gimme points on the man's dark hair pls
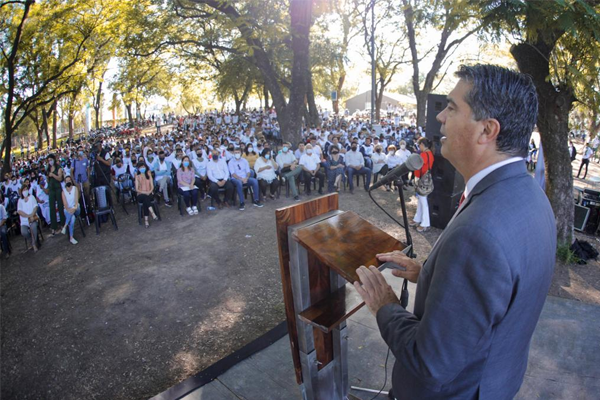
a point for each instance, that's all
(507, 96)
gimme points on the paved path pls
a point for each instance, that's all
(564, 361)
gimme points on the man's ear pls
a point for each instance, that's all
(490, 131)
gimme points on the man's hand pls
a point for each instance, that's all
(412, 267)
(374, 290)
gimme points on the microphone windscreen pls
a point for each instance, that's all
(414, 162)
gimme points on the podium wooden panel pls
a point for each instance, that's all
(347, 241)
(286, 217)
(320, 248)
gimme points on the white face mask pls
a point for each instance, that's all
(309, 152)
(237, 156)
(403, 146)
(25, 193)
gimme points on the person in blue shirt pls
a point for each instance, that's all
(240, 172)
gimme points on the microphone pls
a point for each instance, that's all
(413, 163)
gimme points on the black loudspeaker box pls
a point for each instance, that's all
(446, 179)
(441, 208)
(435, 104)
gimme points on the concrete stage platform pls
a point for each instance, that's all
(564, 361)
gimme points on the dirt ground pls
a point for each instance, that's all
(129, 313)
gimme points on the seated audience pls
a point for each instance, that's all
(186, 187)
(335, 168)
(311, 164)
(27, 210)
(144, 187)
(70, 198)
(218, 174)
(240, 172)
(266, 174)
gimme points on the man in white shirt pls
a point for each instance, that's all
(587, 153)
(218, 175)
(200, 162)
(288, 168)
(355, 165)
(311, 164)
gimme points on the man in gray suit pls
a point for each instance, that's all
(481, 291)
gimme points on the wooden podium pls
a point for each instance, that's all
(320, 248)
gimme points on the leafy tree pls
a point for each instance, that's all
(259, 30)
(557, 44)
(43, 46)
(389, 49)
(455, 20)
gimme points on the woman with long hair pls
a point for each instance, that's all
(186, 188)
(144, 186)
(70, 198)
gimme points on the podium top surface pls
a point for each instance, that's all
(345, 242)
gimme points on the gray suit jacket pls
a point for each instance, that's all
(479, 296)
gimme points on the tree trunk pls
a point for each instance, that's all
(340, 85)
(301, 18)
(129, 114)
(54, 123)
(45, 127)
(553, 123)
(266, 95)
(71, 119)
(378, 101)
(98, 104)
(421, 108)
(313, 112)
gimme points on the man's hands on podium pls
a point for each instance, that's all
(375, 290)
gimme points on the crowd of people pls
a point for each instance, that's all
(213, 157)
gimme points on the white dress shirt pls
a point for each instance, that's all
(354, 159)
(217, 171)
(310, 162)
(478, 177)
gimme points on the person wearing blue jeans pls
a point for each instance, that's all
(355, 164)
(70, 198)
(240, 171)
(3, 231)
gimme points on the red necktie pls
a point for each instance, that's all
(462, 198)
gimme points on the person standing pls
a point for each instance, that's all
(572, 151)
(585, 160)
(422, 215)
(481, 291)
(55, 176)
(103, 163)
(80, 173)
(3, 230)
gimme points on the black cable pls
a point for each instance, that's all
(385, 379)
(386, 213)
(404, 293)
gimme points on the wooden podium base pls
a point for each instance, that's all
(320, 248)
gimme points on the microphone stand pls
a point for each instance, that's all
(404, 293)
(409, 242)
